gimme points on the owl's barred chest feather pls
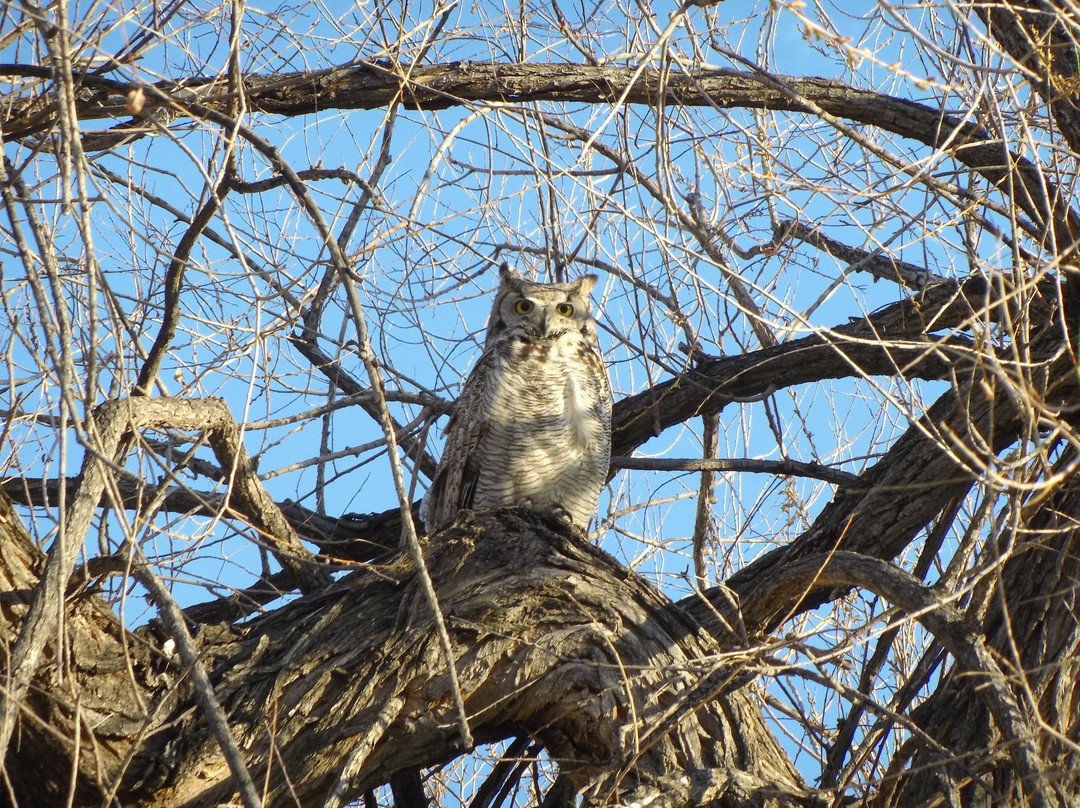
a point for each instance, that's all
(563, 383)
(547, 426)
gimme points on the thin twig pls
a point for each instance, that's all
(792, 468)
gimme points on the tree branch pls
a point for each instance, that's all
(791, 468)
(1042, 37)
(846, 570)
(845, 352)
(1031, 631)
(215, 716)
(370, 85)
(344, 674)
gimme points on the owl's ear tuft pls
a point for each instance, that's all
(507, 273)
(585, 284)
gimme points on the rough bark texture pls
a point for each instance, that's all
(341, 689)
(1032, 626)
(101, 689)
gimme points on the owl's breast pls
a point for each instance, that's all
(558, 378)
(546, 427)
(553, 399)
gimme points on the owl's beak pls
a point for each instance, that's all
(549, 328)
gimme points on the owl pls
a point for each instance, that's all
(533, 423)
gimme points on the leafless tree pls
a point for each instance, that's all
(247, 255)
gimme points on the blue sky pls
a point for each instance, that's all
(480, 182)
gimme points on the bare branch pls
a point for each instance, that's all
(780, 467)
(371, 85)
(877, 263)
(111, 422)
(844, 569)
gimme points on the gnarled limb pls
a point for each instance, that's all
(112, 421)
(1032, 629)
(552, 639)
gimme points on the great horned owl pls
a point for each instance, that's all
(533, 422)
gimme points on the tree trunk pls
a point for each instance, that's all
(334, 693)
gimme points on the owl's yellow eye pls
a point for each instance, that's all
(523, 306)
(565, 309)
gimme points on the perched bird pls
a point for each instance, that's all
(532, 425)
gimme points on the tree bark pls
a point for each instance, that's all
(372, 85)
(334, 693)
(1041, 37)
(1032, 626)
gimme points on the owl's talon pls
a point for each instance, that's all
(552, 511)
(555, 512)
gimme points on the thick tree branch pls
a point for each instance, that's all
(930, 465)
(246, 495)
(847, 570)
(879, 264)
(714, 383)
(207, 700)
(615, 682)
(708, 386)
(1041, 35)
(370, 85)
(1031, 627)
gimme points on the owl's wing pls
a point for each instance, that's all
(455, 482)
(470, 474)
(459, 469)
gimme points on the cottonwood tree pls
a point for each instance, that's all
(247, 255)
